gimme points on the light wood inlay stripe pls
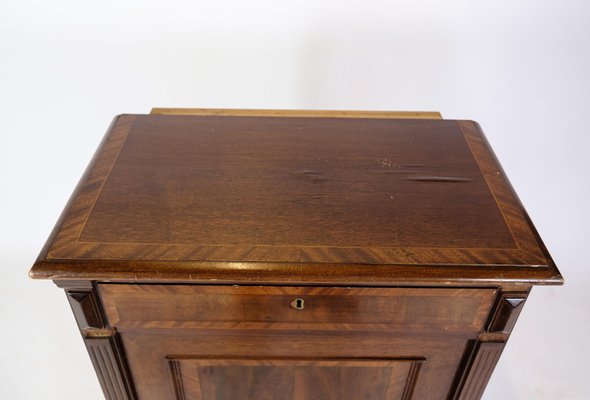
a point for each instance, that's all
(79, 212)
(505, 198)
(299, 113)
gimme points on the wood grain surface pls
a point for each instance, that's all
(207, 192)
(149, 353)
(277, 379)
(447, 311)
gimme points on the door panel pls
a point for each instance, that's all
(149, 353)
(246, 379)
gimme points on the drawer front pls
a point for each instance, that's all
(301, 308)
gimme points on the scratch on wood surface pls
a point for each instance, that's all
(437, 179)
(309, 175)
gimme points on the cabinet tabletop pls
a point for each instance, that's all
(296, 199)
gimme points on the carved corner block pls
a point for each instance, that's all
(102, 342)
(506, 312)
(86, 309)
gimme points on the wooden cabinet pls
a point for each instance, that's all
(251, 342)
(235, 254)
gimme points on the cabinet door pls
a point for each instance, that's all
(295, 343)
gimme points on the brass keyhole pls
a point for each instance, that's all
(297, 304)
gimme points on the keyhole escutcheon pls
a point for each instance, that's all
(298, 304)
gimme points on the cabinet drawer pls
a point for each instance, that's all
(302, 308)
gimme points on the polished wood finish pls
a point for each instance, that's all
(320, 192)
(265, 254)
(245, 379)
(268, 307)
(149, 349)
(188, 322)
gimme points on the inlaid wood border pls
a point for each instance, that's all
(506, 200)
(66, 245)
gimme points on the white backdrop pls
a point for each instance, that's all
(520, 68)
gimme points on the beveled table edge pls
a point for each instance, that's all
(293, 273)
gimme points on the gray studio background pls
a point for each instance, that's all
(520, 68)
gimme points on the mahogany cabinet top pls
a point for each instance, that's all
(234, 198)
